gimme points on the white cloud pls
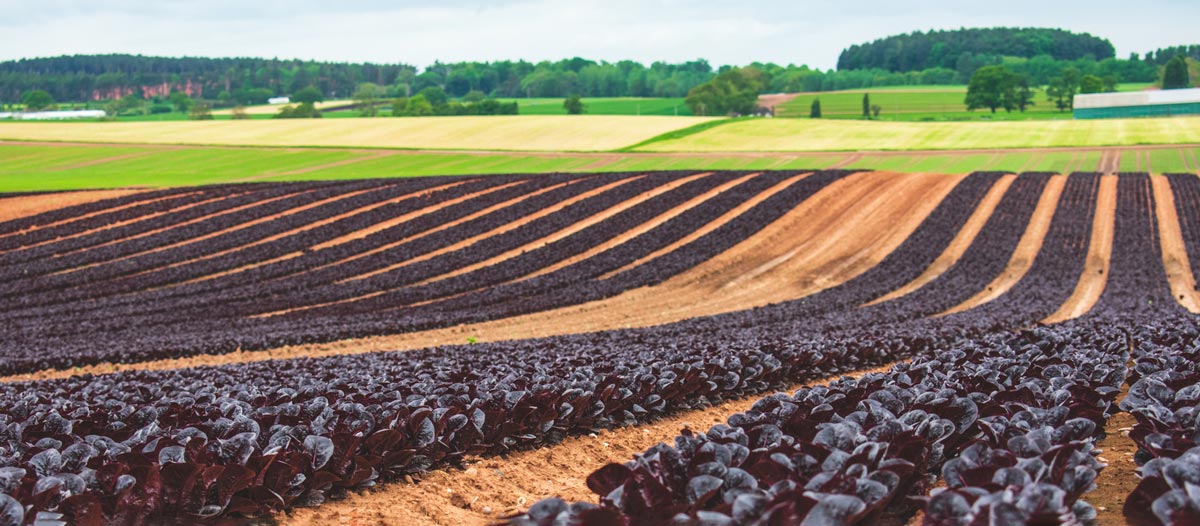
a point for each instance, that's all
(674, 30)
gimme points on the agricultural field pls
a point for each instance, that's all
(924, 103)
(697, 346)
(791, 135)
(513, 133)
(26, 167)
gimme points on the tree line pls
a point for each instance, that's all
(944, 49)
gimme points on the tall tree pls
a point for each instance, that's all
(36, 100)
(1062, 89)
(814, 111)
(1175, 75)
(993, 87)
(866, 107)
(366, 97)
(573, 105)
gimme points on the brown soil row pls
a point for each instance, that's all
(524, 220)
(863, 233)
(1117, 481)
(310, 226)
(170, 227)
(1095, 268)
(403, 218)
(280, 235)
(958, 246)
(573, 229)
(27, 205)
(490, 488)
(117, 224)
(1174, 251)
(712, 225)
(1027, 248)
(638, 230)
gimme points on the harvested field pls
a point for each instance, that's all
(471, 349)
(522, 133)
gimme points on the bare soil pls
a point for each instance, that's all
(1174, 251)
(1027, 248)
(1095, 268)
(490, 488)
(1116, 481)
(27, 205)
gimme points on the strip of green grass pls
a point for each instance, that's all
(27, 168)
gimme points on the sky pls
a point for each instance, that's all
(418, 33)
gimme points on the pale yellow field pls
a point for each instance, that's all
(515, 133)
(271, 109)
(843, 135)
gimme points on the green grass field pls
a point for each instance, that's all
(918, 103)
(66, 167)
(808, 135)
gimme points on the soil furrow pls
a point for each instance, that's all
(1174, 251)
(1095, 270)
(1027, 249)
(489, 488)
(958, 246)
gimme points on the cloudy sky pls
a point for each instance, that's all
(722, 31)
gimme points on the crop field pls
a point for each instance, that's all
(26, 167)
(926, 103)
(515, 133)
(789, 135)
(624, 348)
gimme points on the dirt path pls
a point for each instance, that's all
(1174, 251)
(958, 246)
(1027, 248)
(27, 205)
(494, 487)
(835, 235)
(1095, 269)
(1117, 481)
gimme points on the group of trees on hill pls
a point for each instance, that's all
(943, 49)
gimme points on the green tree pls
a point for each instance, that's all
(435, 96)
(399, 106)
(305, 110)
(366, 97)
(181, 101)
(419, 106)
(1175, 74)
(866, 107)
(993, 87)
(814, 111)
(1062, 89)
(1024, 94)
(200, 112)
(876, 110)
(1091, 84)
(734, 91)
(36, 100)
(574, 105)
(310, 94)
(474, 96)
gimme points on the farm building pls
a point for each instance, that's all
(1164, 103)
